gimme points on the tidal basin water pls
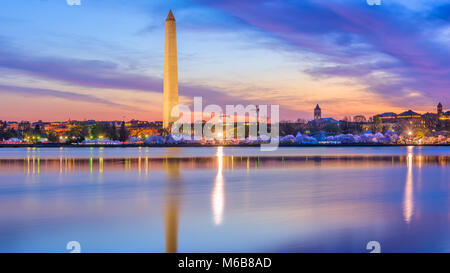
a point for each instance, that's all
(223, 199)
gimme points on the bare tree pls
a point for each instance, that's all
(359, 118)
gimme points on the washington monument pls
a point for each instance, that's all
(170, 96)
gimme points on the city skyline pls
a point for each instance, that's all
(230, 53)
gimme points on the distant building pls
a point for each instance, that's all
(441, 114)
(439, 109)
(325, 121)
(24, 125)
(320, 122)
(410, 114)
(39, 123)
(317, 112)
(138, 128)
(12, 125)
(414, 117)
(445, 116)
(387, 117)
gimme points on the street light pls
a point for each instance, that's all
(410, 136)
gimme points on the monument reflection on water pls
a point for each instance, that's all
(172, 203)
(174, 191)
(296, 200)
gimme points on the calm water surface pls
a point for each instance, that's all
(225, 199)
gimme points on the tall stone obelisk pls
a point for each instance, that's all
(170, 96)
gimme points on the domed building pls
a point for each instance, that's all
(414, 117)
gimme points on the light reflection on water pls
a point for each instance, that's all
(155, 152)
(409, 202)
(218, 195)
(302, 200)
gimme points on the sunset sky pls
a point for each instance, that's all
(104, 59)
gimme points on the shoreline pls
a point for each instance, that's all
(192, 145)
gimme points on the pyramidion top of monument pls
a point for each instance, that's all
(170, 16)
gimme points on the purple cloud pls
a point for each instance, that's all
(100, 74)
(41, 92)
(359, 39)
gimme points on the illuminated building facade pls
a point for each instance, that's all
(413, 117)
(317, 112)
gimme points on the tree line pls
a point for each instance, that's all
(77, 133)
